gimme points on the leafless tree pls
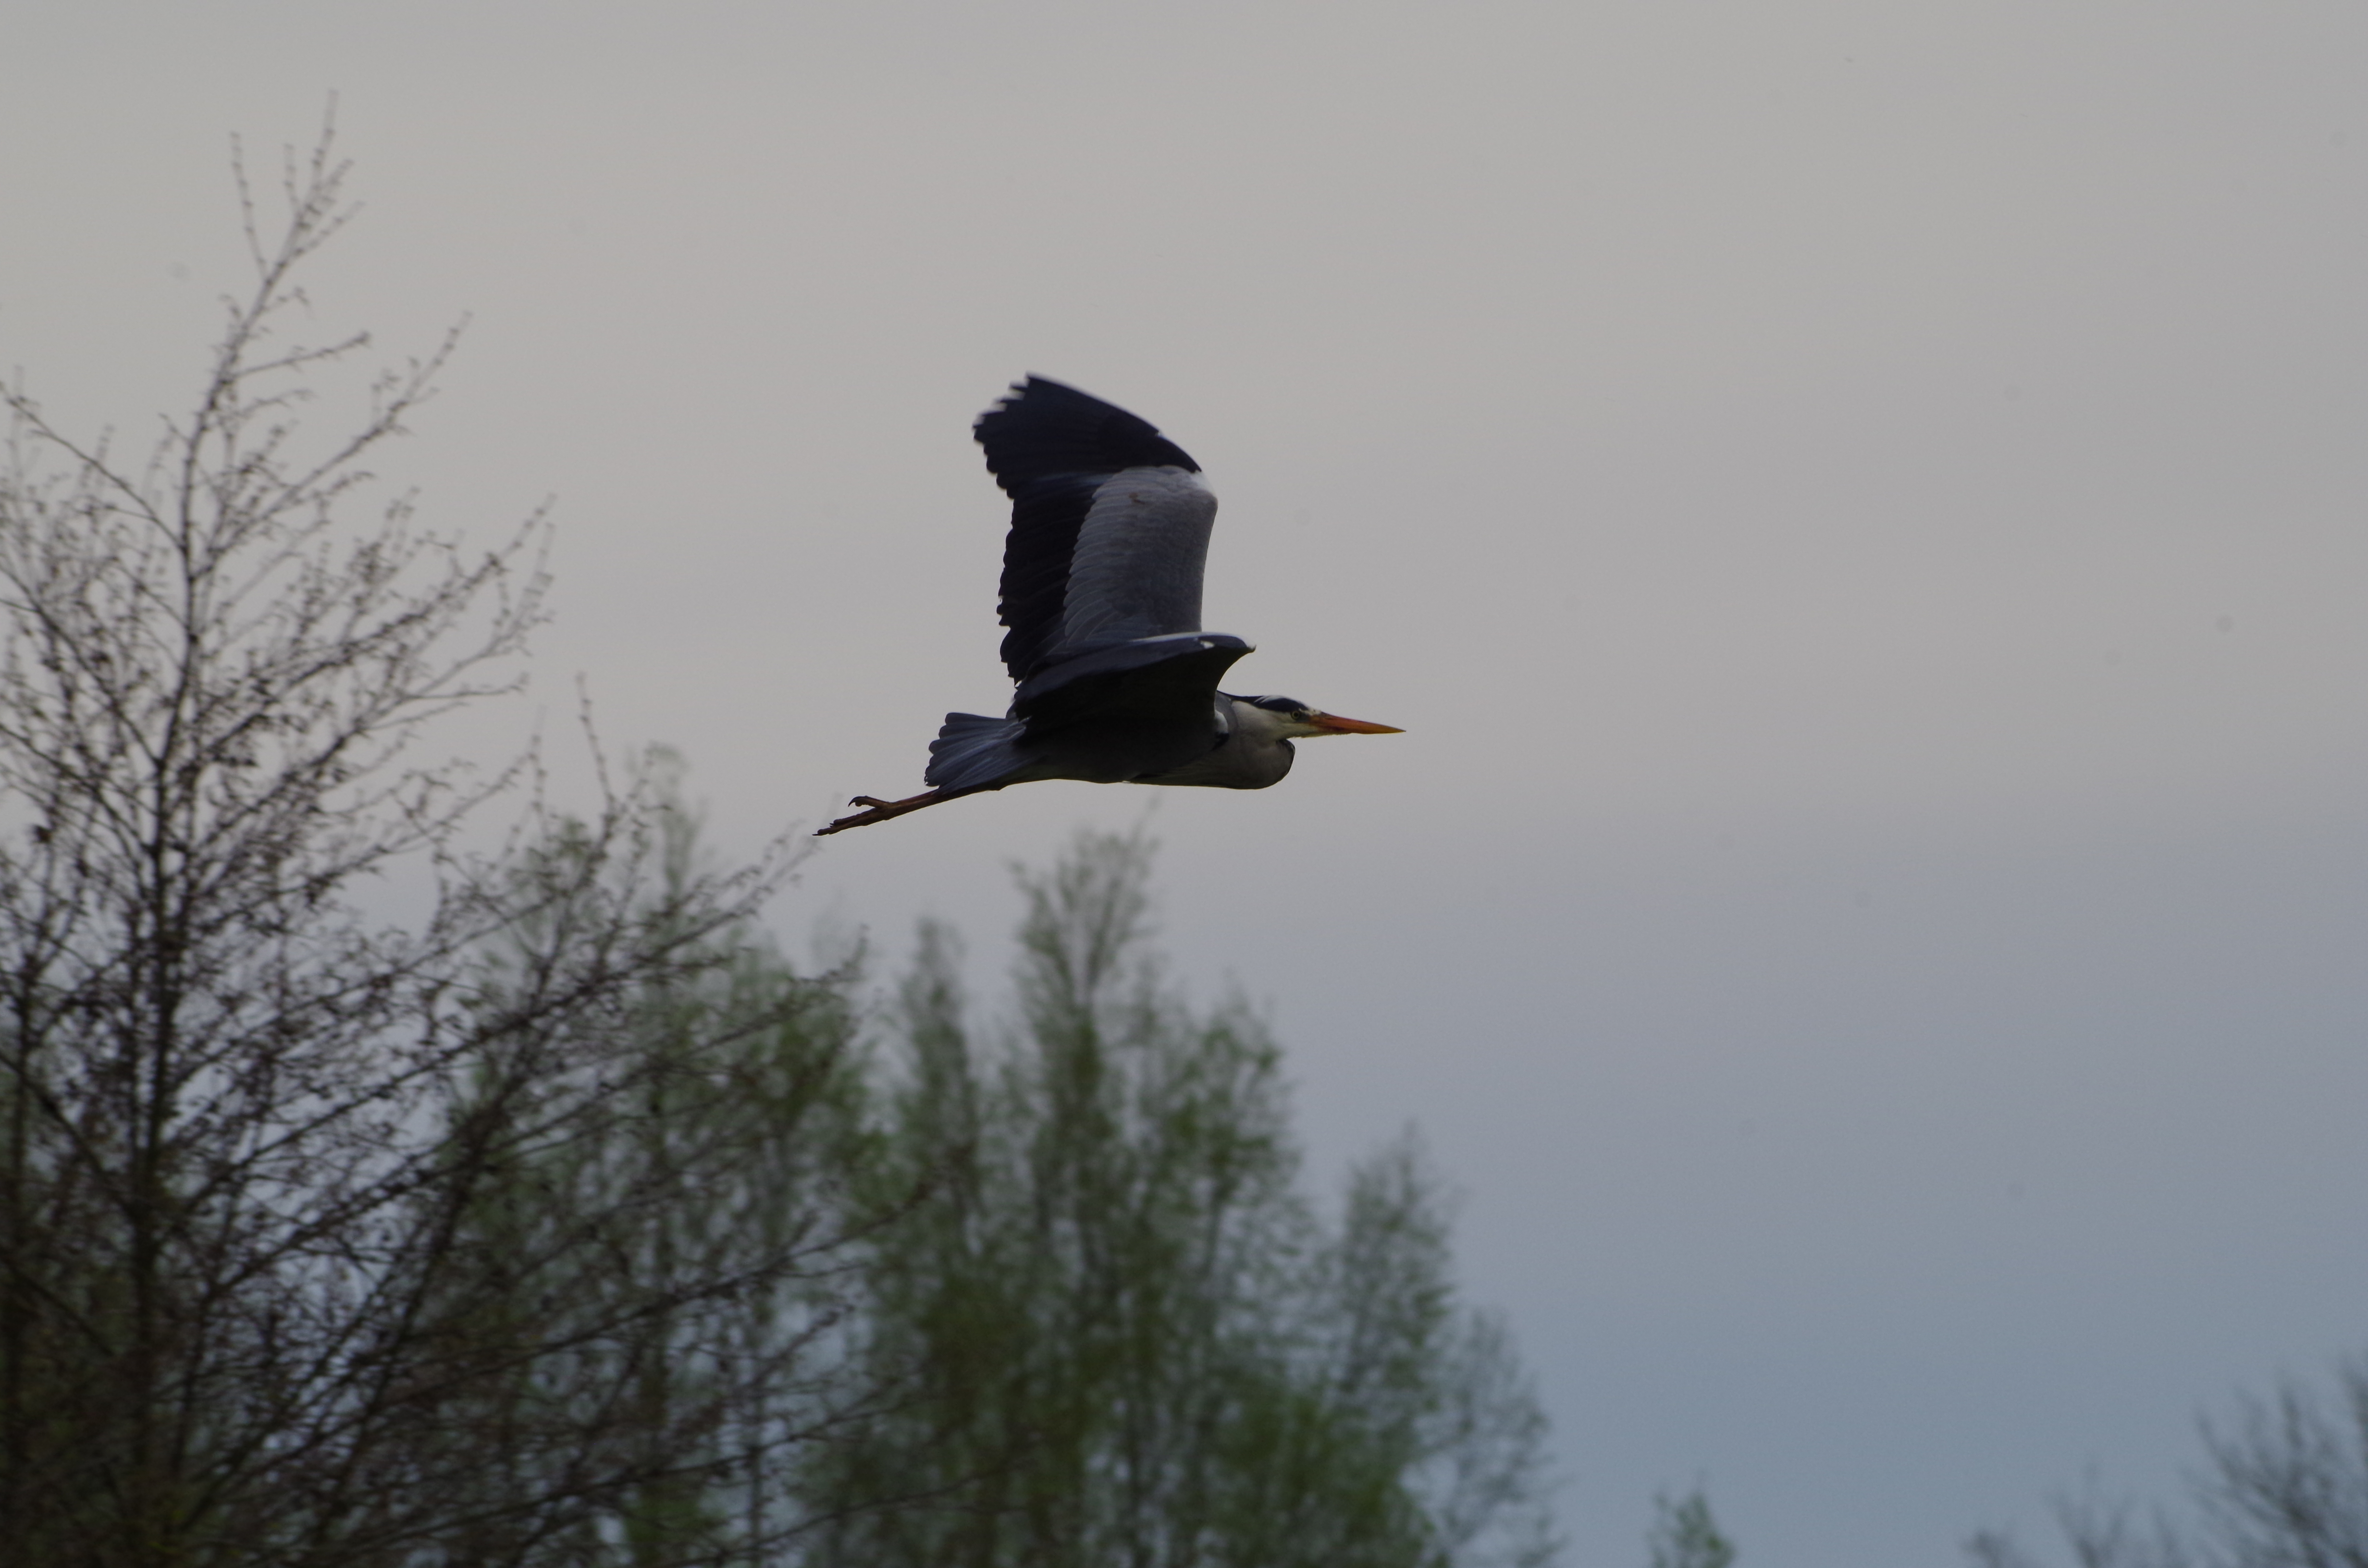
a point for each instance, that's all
(2288, 1484)
(2284, 1485)
(500, 1235)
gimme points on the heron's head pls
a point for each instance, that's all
(1288, 719)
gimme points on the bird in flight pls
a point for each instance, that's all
(1117, 684)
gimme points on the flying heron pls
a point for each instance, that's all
(1101, 590)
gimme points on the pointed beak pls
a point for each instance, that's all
(1333, 724)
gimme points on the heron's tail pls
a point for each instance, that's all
(973, 752)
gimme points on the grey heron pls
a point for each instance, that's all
(1117, 684)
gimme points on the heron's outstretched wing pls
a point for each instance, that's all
(1170, 680)
(1106, 715)
(1110, 525)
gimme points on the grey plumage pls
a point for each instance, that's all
(1102, 591)
(1256, 752)
(1140, 556)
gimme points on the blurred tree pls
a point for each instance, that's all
(1685, 1535)
(325, 1239)
(559, 1223)
(2288, 1481)
(1130, 1340)
(2284, 1485)
(635, 1310)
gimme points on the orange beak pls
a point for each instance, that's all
(1333, 724)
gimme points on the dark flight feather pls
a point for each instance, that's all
(1051, 448)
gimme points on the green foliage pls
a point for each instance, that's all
(1128, 1339)
(566, 1223)
(1684, 1534)
(646, 1268)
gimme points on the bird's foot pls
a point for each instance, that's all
(878, 809)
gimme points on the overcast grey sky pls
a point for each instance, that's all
(1858, 507)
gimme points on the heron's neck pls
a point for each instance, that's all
(1253, 728)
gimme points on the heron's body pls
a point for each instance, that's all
(1101, 591)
